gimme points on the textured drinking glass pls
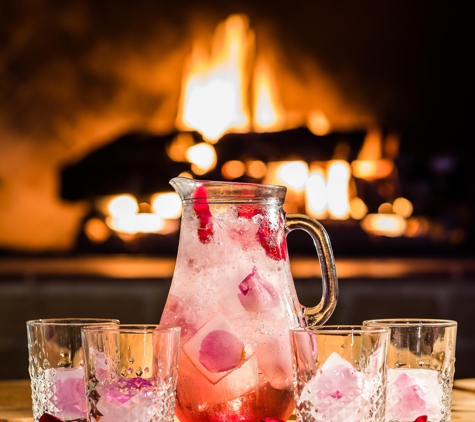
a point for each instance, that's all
(340, 373)
(131, 372)
(421, 366)
(56, 366)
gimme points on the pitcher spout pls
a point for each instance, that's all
(185, 187)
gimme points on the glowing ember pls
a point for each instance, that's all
(370, 165)
(389, 225)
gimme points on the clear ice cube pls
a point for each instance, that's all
(193, 348)
(413, 392)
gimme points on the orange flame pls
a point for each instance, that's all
(214, 93)
(268, 115)
(370, 165)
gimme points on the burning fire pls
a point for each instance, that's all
(215, 88)
(228, 89)
(214, 92)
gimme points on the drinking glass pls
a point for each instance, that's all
(131, 372)
(340, 373)
(421, 366)
(56, 366)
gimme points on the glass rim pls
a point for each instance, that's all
(340, 329)
(72, 322)
(132, 328)
(410, 322)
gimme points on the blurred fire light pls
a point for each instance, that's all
(293, 174)
(317, 123)
(389, 225)
(403, 207)
(123, 206)
(358, 208)
(136, 223)
(202, 156)
(233, 169)
(167, 205)
(96, 230)
(370, 165)
(125, 215)
(256, 169)
(327, 190)
(316, 194)
(337, 189)
(268, 115)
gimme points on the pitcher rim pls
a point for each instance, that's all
(227, 191)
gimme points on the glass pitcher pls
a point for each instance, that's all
(234, 297)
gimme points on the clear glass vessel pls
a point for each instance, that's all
(234, 297)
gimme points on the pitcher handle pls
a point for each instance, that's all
(319, 314)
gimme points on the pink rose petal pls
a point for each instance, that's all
(221, 351)
(273, 241)
(257, 294)
(205, 231)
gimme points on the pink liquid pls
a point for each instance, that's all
(198, 400)
(234, 298)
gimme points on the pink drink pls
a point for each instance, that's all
(67, 393)
(412, 393)
(233, 296)
(135, 400)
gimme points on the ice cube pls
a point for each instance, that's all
(413, 392)
(275, 361)
(133, 400)
(216, 348)
(68, 393)
(336, 393)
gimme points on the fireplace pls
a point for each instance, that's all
(368, 91)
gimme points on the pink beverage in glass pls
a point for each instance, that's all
(67, 392)
(131, 372)
(234, 298)
(56, 362)
(135, 400)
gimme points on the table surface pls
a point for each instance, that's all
(15, 401)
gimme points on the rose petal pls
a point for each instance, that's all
(257, 294)
(205, 231)
(221, 351)
(46, 417)
(272, 420)
(422, 418)
(273, 241)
